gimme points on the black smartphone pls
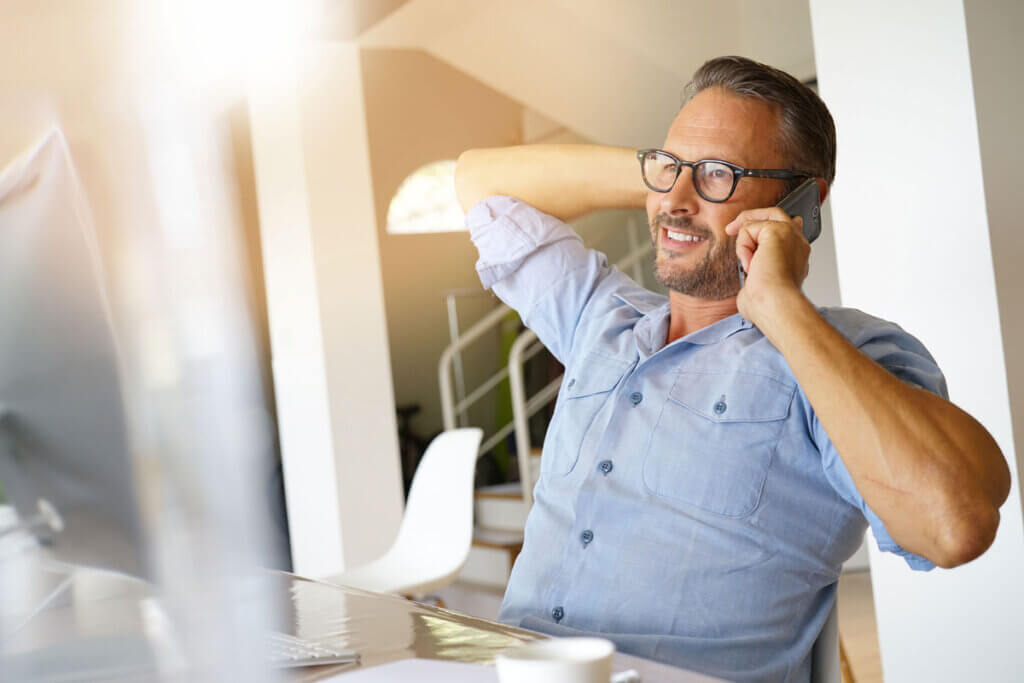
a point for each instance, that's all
(803, 202)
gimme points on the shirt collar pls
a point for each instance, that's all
(716, 332)
(652, 330)
(643, 302)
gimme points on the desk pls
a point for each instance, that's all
(382, 628)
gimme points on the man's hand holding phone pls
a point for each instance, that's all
(777, 239)
(774, 253)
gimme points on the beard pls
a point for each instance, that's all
(715, 277)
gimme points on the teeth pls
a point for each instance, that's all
(683, 237)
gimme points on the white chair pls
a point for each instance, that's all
(437, 527)
(826, 664)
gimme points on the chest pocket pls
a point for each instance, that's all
(585, 390)
(714, 441)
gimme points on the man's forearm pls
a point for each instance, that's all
(565, 181)
(930, 471)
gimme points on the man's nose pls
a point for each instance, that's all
(683, 197)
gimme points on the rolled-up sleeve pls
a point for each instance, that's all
(904, 356)
(536, 264)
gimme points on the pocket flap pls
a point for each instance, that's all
(596, 374)
(733, 396)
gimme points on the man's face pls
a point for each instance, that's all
(713, 125)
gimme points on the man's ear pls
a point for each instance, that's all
(822, 190)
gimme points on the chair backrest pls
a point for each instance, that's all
(825, 662)
(438, 519)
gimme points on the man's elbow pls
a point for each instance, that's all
(968, 527)
(966, 537)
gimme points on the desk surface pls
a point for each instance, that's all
(84, 605)
(384, 628)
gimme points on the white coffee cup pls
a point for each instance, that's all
(558, 660)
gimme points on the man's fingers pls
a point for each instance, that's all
(750, 235)
(746, 243)
(756, 229)
(768, 213)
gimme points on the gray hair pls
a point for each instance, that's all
(807, 133)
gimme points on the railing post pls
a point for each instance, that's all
(448, 412)
(444, 381)
(453, 331)
(520, 418)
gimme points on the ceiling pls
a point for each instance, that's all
(609, 70)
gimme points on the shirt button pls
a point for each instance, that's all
(587, 536)
(605, 466)
(572, 383)
(720, 406)
(636, 397)
(557, 613)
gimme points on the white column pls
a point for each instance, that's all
(922, 208)
(332, 370)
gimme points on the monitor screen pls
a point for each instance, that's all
(64, 447)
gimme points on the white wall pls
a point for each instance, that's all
(611, 71)
(326, 309)
(918, 239)
(441, 113)
(994, 32)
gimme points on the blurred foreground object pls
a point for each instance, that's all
(135, 424)
(63, 442)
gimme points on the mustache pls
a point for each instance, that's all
(685, 222)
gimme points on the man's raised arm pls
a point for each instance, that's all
(565, 181)
(932, 473)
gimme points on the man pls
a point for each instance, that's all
(715, 457)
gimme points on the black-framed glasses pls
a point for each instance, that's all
(715, 180)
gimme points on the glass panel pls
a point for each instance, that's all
(715, 179)
(660, 170)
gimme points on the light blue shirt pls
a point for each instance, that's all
(690, 506)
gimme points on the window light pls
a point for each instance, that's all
(426, 203)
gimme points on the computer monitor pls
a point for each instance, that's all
(65, 461)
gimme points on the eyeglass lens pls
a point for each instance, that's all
(714, 180)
